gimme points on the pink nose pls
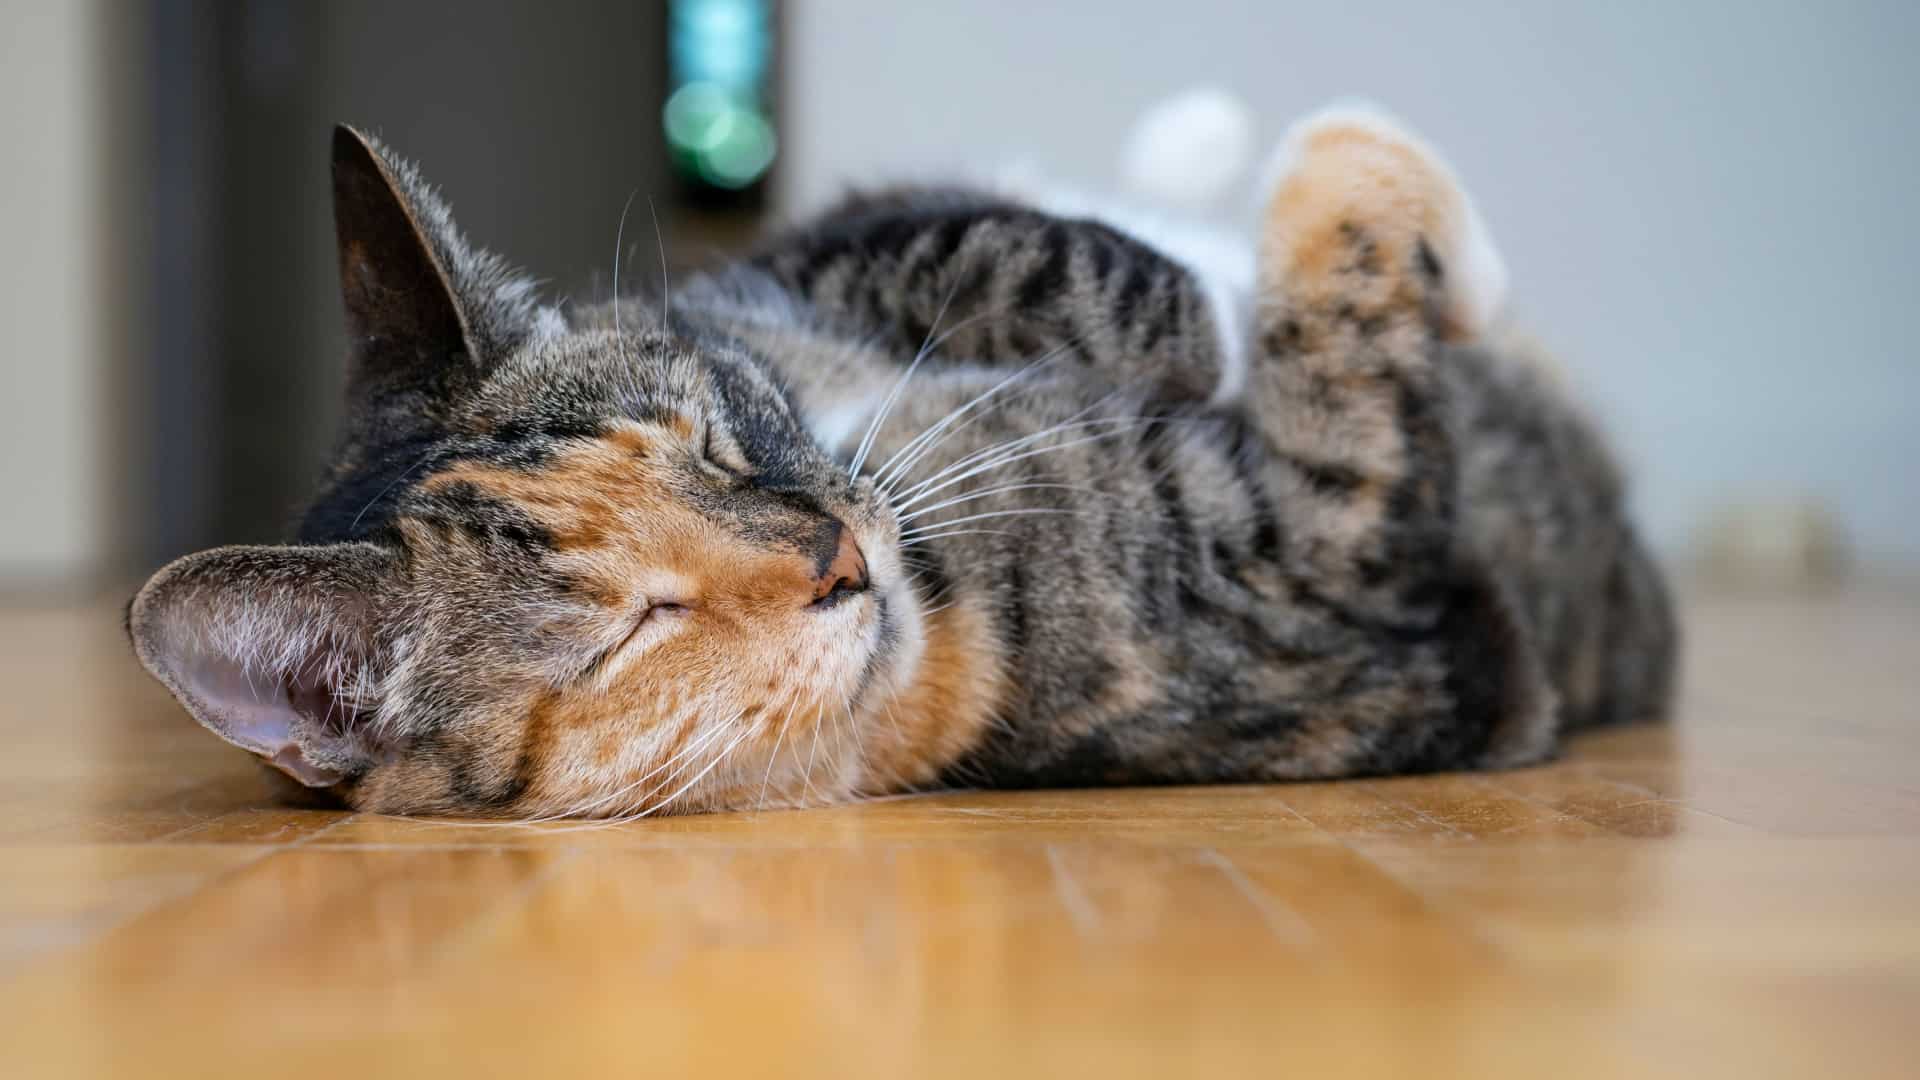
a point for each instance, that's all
(847, 573)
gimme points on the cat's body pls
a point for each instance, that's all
(1154, 618)
(1118, 518)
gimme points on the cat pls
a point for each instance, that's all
(939, 488)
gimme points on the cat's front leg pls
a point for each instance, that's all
(947, 277)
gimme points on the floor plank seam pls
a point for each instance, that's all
(1072, 898)
(517, 899)
(1463, 924)
(1437, 823)
(1681, 803)
(120, 921)
(1563, 814)
(1282, 921)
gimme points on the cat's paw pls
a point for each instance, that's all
(1360, 214)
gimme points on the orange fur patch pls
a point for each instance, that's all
(954, 697)
(1352, 176)
(746, 653)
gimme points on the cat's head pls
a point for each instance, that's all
(551, 571)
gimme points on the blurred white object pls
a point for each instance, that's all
(1189, 151)
(1788, 543)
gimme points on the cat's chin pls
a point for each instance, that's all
(897, 644)
(878, 637)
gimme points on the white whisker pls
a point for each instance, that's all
(684, 761)
(390, 486)
(910, 533)
(1004, 489)
(1092, 406)
(957, 532)
(575, 811)
(927, 440)
(853, 736)
(893, 398)
(661, 243)
(1008, 459)
(685, 754)
(900, 384)
(701, 775)
(906, 497)
(812, 749)
(619, 237)
(782, 738)
(724, 753)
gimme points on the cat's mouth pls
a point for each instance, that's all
(881, 594)
(876, 641)
(840, 593)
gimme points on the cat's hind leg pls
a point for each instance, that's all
(1371, 262)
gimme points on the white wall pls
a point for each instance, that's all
(1709, 208)
(53, 337)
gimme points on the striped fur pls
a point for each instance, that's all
(621, 566)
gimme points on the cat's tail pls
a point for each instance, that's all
(1190, 152)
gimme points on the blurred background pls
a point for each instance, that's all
(1706, 208)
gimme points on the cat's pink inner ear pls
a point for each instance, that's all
(256, 714)
(292, 762)
(271, 649)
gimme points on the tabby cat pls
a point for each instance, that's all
(939, 489)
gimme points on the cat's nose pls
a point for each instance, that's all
(844, 575)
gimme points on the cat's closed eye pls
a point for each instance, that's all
(720, 452)
(653, 623)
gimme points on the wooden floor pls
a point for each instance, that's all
(1737, 895)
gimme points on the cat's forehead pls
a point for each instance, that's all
(528, 409)
(602, 374)
(592, 373)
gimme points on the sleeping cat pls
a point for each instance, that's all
(941, 488)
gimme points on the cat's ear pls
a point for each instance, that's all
(403, 315)
(422, 304)
(274, 649)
